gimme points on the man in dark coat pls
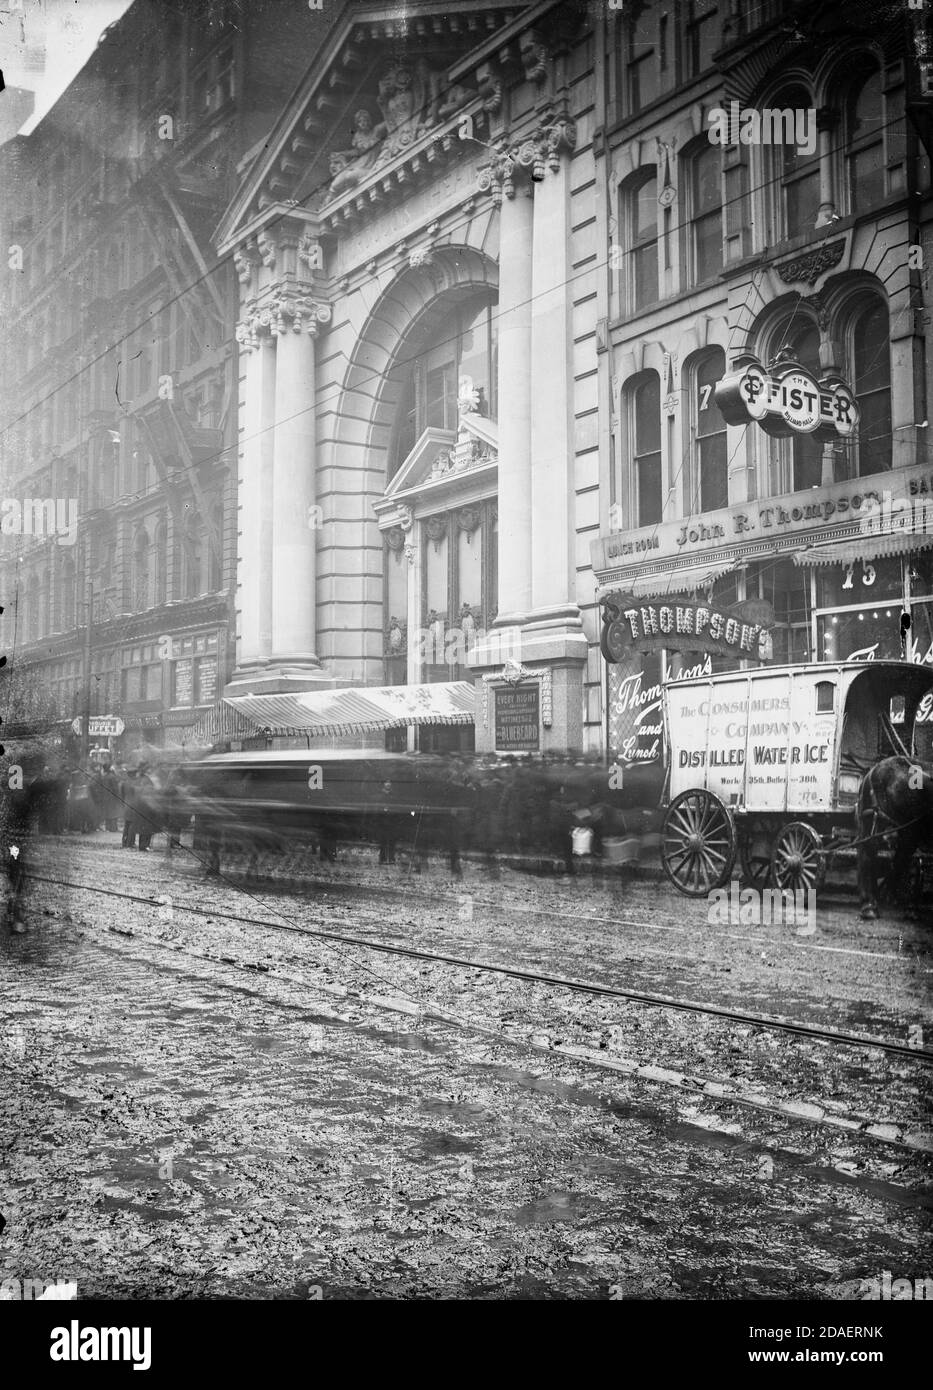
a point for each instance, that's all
(144, 805)
(130, 821)
(110, 785)
(17, 811)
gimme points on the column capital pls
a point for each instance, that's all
(556, 137)
(509, 169)
(518, 164)
(252, 330)
(297, 313)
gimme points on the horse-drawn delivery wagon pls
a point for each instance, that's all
(765, 765)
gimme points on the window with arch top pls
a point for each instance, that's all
(645, 434)
(459, 340)
(704, 191)
(710, 487)
(795, 174)
(639, 221)
(865, 140)
(870, 357)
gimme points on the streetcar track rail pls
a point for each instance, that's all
(766, 1022)
(683, 1083)
(299, 883)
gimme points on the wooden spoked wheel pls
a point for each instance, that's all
(797, 859)
(755, 856)
(697, 843)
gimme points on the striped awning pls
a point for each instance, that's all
(222, 723)
(369, 709)
(683, 581)
(879, 547)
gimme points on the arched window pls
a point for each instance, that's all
(141, 570)
(869, 354)
(799, 337)
(639, 221)
(460, 342)
(705, 212)
(645, 431)
(795, 172)
(865, 142)
(710, 487)
(161, 562)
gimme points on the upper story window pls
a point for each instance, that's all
(141, 570)
(642, 67)
(214, 85)
(711, 483)
(701, 36)
(161, 562)
(869, 352)
(705, 211)
(795, 173)
(639, 219)
(865, 142)
(645, 435)
(463, 346)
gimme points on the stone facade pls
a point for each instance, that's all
(467, 181)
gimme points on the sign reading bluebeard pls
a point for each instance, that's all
(787, 400)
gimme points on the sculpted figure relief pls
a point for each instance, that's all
(409, 102)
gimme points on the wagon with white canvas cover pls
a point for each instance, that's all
(764, 766)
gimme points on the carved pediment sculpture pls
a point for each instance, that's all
(411, 100)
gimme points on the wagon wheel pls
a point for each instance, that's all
(697, 843)
(755, 856)
(797, 860)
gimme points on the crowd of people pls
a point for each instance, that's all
(93, 798)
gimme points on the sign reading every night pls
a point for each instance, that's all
(788, 400)
(518, 719)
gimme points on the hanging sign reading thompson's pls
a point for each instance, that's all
(787, 400)
(685, 625)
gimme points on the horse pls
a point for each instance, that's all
(895, 798)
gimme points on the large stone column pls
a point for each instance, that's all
(254, 499)
(538, 639)
(294, 521)
(514, 395)
(551, 376)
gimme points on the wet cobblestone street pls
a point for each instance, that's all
(283, 1117)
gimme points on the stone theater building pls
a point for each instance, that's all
(418, 258)
(529, 306)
